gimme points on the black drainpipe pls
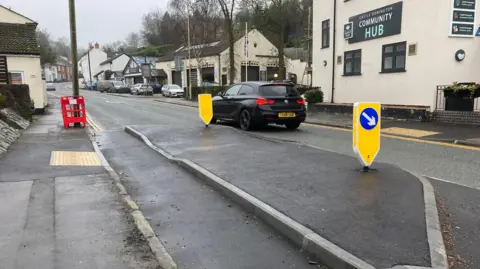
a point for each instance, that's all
(334, 46)
(220, 69)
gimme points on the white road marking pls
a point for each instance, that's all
(452, 182)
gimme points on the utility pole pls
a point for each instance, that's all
(246, 51)
(89, 65)
(309, 49)
(189, 54)
(73, 40)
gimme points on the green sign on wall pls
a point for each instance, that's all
(462, 29)
(381, 22)
(463, 16)
(464, 4)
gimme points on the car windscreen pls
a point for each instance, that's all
(175, 87)
(278, 90)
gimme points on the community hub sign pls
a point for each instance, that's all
(381, 22)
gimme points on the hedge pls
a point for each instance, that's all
(16, 97)
(213, 90)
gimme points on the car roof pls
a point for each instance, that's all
(262, 83)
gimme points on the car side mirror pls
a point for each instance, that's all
(220, 94)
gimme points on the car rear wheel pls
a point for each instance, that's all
(213, 121)
(245, 120)
(292, 125)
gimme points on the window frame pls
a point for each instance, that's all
(394, 54)
(353, 61)
(21, 73)
(326, 34)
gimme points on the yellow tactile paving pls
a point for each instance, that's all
(408, 132)
(74, 158)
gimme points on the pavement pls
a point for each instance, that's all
(58, 206)
(459, 134)
(451, 168)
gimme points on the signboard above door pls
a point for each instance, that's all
(381, 22)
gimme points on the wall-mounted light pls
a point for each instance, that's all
(460, 55)
(324, 63)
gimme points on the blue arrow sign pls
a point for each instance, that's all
(478, 32)
(368, 118)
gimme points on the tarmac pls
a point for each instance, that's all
(378, 217)
(430, 131)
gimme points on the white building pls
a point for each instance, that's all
(210, 62)
(89, 63)
(115, 64)
(20, 55)
(393, 52)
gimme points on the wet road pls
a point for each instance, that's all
(199, 227)
(436, 161)
(112, 113)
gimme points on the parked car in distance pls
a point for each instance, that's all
(104, 86)
(50, 86)
(258, 103)
(157, 88)
(142, 89)
(172, 90)
(209, 84)
(92, 86)
(135, 89)
(120, 87)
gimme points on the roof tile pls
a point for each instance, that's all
(18, 38)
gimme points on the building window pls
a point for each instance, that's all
(352, 63)
(393, 57)
(16, 77)
(325, 34)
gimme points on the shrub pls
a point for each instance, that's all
(3, 101)
(314, 95)
(213, 90)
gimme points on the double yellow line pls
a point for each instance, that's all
(96, 127)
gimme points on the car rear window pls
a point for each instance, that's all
(278, 90)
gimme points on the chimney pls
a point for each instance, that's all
(97, 46)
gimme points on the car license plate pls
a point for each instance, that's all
(286, 115)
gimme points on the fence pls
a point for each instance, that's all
(441, 102)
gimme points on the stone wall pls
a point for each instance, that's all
(9, 128)
(457, 117)
(388, 111)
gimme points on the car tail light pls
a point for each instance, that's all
(301, 101)
(263, 101)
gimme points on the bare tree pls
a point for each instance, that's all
(151, 27)
(228, 8)
(272, 18)
(204, 23)
(132, 42)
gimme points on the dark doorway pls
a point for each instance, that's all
(253, 73)
(208, 74)
(177, 78)
(194, 77)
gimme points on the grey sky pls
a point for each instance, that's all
(97, 20)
